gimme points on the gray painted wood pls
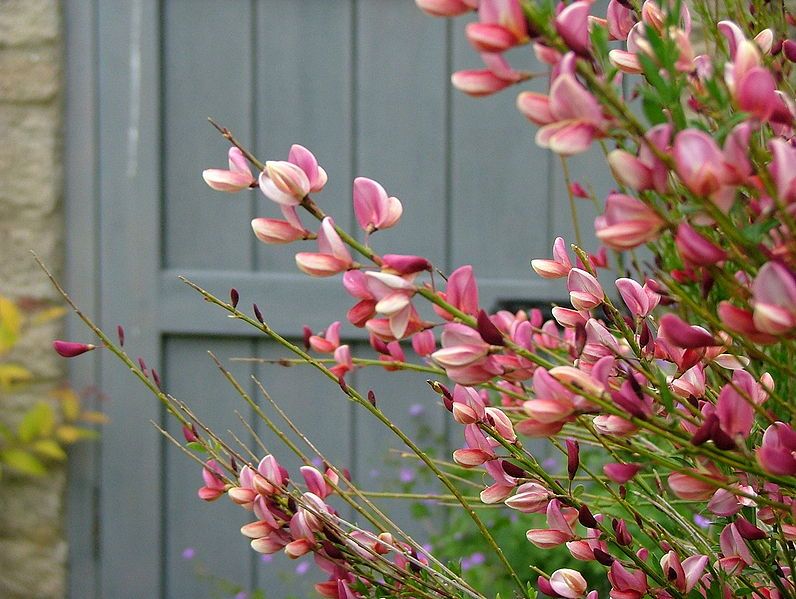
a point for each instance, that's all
(129, 206)
(365, 85)
(209, 532)
(303, 95)
(207, 70)
(402, 78)
(80, 204)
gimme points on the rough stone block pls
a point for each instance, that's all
(30, 170)
(28, 22)
(20, 277)
(29, 74)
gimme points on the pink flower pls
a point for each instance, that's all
(683, 575)
(238, 177)
(585, 292)
(465, 356)
(695, 249)
(559, 529)
(530, 498)
(626, 223)
(501, 25)
(776, 452)
(213, 477)
(644, 171)
(273, 230)
(373, 208)
(774, 293)
(639, 300)
(289, 182)
(627, 584)
(447, 8)
(680, 334)
(333, 257)
(783, 169)
(568, 583)
(572, 25)
(71, 349)
(699, 162)
(556, 268)
(570, 115)
(329, 342)
(461, 292)
(497, 76)
(621, 473)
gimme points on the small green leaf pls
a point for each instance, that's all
(196, 446)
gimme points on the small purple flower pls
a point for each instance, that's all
(406, 475)
(302, 568)
(416, 410)
(466, 564)
(477, 558)
(374, 473)
(266, 559)
(188, 553)
(242, 595)
(317, 462)
(701, 521)
(549, 464)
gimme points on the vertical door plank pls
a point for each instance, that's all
(211, 530)
(82, 237)
(401, 82)
(303, 96)
(207, 71)
(500, 177)
(318, 407)
(129, 251)
(408, 401)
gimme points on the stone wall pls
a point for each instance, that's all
(32, 545)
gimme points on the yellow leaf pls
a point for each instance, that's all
(10, 324)
(70, 403)
(12, 374)
(49, 449)
(94, 417)
(71, 434)
(48, 314)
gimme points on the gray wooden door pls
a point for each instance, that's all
(365, 85)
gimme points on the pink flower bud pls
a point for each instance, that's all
(621, 473)
(446, 8)
(284, 182)
(696, 249)
(572, 24)
(71, 349)
(530, 498)
(373, 208)
(238, 176)
(627, 223)
(699, 162)
(680, 334)
(585, 292)
(273, 230)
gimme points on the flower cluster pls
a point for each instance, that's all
(664, 383)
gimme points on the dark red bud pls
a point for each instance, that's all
(141, 363)
(120, 334)
(343, 384)
(789, 50)
(71, 349)
(233, 464)
(705, 432)
(749, 531)
(488, 331)
(586, 518)
(379, 345)
(573, 457)
(190, 434)
(234, 297)
(307, 332)
(545, 587)
(512, 469)
(156, 378)
(257, 314)
(602, 557)
(371, 397)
